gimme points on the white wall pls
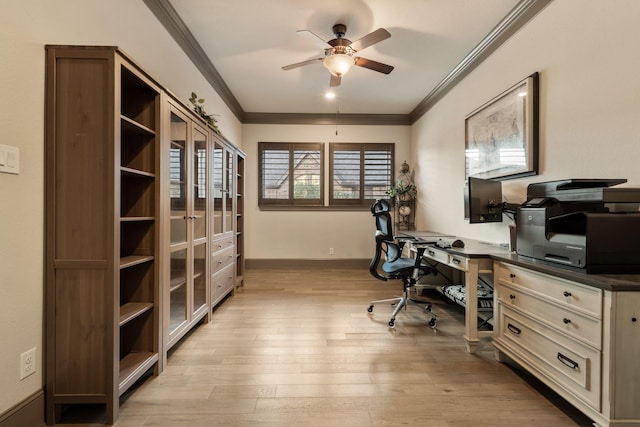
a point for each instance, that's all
(586, 53)
(25, 27)
(310, 234)
(585, 50)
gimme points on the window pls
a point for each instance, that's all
(290, 174)
(293, 174)
(360, 173)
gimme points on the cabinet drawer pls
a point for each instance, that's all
(573, 365)
(584, 299)
(222, 283)
(222, 244)
(222, 259)
(561, 318)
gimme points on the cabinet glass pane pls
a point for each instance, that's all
(217, 192)
(228, 209)
(199, 277)
(199, 184)
(178, 178)
(178, 290)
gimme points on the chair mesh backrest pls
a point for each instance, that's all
(385, 242)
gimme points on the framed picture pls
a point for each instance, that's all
(501, 137)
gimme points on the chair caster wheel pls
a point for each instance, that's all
(392, 322)
(370, 309)
(427, 309)
(432, 323)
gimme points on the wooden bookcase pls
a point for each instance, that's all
(103, 304)
(239, 225)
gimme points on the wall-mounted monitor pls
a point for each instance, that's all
(483, 201)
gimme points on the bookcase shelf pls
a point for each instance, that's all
(103, 330)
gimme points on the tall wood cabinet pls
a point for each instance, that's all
(144, 225)
(239, 214)
(102, 228)
(186, 158)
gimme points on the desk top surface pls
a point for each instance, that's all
(478, 249)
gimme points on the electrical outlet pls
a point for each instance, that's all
(331, 251)
(27, 363)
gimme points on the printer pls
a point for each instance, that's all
(586, 223)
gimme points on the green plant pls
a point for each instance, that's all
(198, 107)
(400, 189)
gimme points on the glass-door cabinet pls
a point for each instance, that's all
(186, 293)
(223, 238)
(223, 190)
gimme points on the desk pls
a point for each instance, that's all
(578, 333)
(475, 258)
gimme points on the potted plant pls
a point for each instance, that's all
(403, 191)
(198, 107)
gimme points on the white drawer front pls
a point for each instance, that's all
(438, 255)
(585, 299)
(455, 261)
(458, 262)
(573, 365)
(577, 325)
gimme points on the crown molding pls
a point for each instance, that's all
(327, 119)
(175, 26)
(510, 24)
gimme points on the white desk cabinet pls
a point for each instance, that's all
(580, 340)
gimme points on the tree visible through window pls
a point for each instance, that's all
(278, 162)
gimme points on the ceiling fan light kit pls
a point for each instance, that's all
(338, 64)
(339, 57)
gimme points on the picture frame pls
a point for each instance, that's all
(501, 136)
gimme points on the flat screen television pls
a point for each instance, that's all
(483, 201)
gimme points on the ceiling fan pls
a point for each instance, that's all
(339, 57)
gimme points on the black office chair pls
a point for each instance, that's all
(394, 266)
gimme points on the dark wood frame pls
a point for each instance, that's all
(510, 120)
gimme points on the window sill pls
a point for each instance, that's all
(354, 208)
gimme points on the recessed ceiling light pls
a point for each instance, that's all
(330, 95)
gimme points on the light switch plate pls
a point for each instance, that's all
(9, 159)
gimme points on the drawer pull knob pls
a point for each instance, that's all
(455, 260)
(432, 253)
(513, 329)
(513, 276)
(566, 321)
(566, 294)
(568, 362)
(512, 297)
(634, 320)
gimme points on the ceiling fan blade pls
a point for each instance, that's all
(371, 38)
(335, 81)
(309, 33)
(374, 65)
(301, 64)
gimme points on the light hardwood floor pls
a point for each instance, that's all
(297, 348)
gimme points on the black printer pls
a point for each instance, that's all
(584, 223)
